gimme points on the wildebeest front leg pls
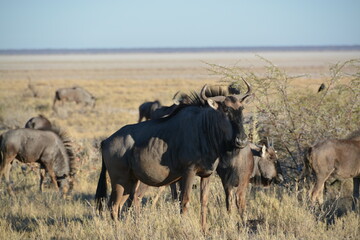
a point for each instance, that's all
(42, 177)
(356, 186)
(174, 193)
(186, 190)
(204, 193)
(6, 172)
(241, 198)
(51, 173)
(228, 198)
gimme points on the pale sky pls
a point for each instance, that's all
(47, 24)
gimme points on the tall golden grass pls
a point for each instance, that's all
(280, 212)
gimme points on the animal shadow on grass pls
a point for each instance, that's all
(252, 224)
(31, 224)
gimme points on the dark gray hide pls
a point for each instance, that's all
(40, 122)
(183, 145)
(74, 94)
(30, 145)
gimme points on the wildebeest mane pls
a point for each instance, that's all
(68, 147)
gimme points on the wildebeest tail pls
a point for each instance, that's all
(56, 98)
(101, 190)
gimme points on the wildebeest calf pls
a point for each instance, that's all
(336, 158)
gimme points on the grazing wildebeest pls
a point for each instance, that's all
(159, 152)
(74, 94)
(147, 108)
(40, 122)
(335, 158)
(45, 147)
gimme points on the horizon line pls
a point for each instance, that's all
(177, 49)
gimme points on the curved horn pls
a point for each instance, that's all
(176, 101)
(249, 89)
(202, 93)
(175, 95)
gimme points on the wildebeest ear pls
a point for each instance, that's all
(263, 151)
(212, 103)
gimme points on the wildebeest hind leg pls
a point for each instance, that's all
(115, 200)
(317, 192)
(52, 176)
(356, 186)
(158, 194)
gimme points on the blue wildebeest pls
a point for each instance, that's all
(147, 108)
(154, 110)
(45, 147)
(40, 122)
(335, 158)
(74, 94)
(256, 165)
(187, 143)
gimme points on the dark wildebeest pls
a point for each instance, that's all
(45, 147)
(159, 152)
(165, 111)
(74, 94)
(335, 158)
(147, 108)
(40, 122)
(154, 110)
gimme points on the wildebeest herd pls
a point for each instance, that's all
(201, 133)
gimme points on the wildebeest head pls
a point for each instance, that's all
(232, 106)
(40, 122)
(268, 167)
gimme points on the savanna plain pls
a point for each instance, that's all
(285, 85)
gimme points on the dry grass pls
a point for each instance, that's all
(276, 213)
